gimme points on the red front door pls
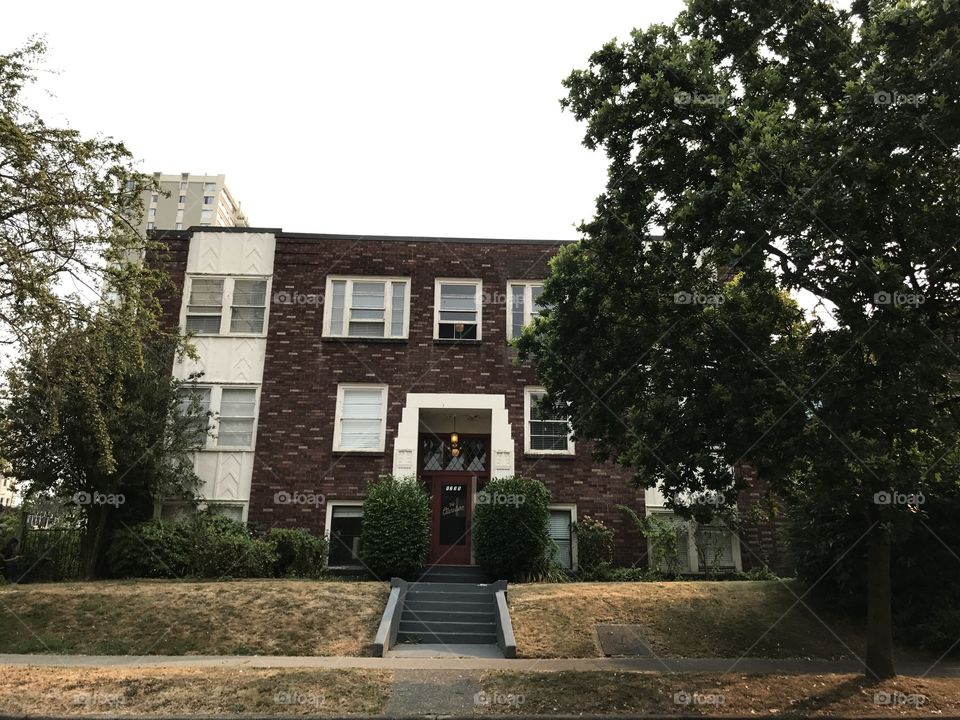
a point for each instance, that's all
(452, 498)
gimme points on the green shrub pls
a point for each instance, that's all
(395, 534)
(594, 547)
(205, 545)
(634, 574)
(298, 553)
(511, 529)
(152, 549)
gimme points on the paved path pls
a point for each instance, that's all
(653, 665)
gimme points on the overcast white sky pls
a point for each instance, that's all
(432, 118)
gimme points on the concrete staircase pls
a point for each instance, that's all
(449, 605)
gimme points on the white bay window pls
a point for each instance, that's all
(225, 305)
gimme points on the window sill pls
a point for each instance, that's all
(374, 340)
(226, 448)
(359, 453)
(455, 341)
(555, 456)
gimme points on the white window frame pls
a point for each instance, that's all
(527, 450)
(528, 286)
(478, 284)
(572, 508)
(347, 299)
(693, 558)
(338, 416)
(328, 522)
(216, 393)
(226, 303)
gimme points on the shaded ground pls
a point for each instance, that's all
(145, 691)
(568, 693)
(678, 619)
(243, 617)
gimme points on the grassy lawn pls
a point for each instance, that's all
(144, 617)
(678, 619)
(571, 693)
(175, 691)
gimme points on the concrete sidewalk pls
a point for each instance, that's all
(949, 668)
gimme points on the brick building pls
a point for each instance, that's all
(330, 360)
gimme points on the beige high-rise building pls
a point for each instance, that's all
(191, 200)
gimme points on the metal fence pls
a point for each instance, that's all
(49, 554)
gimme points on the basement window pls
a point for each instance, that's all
(343, 534)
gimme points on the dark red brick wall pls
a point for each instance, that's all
(762, 529)
(302, 371)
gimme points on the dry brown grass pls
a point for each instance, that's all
(172, 691)
(244, 617)
(570, 693)
(678, 619)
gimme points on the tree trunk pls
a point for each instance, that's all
(96, 525)
(879, 661)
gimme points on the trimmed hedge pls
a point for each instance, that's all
(511, 529)
(204, 545)
(395, 534)
(297, 552)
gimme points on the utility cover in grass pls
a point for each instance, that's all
(623, 640)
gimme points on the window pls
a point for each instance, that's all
(200, 396)
(249, 305)
(237, 417)
(183, 199)
(210, 187)
(151, 226)
(206, 214)
(183, 187)
(154, 197)
(343, 531)
(457, 310)
(208, 200)
(561, 532)
(227, 510)
(367, 307)
(361, 418)
(153, 213)
(544, 432)
(522, 305)
(179, 226)
(247, 300)
(205, 306)
(714, 547)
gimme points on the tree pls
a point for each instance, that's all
(110, 440)
(783, 148)
(67, 204)
(92, 410)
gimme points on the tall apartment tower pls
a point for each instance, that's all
(190, 200)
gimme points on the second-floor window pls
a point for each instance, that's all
(457, 309)
(367, 307)
(360, 418)
(234, 416)
(544, 432)
(523, 305)
(226, 305)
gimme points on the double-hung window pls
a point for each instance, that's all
(238, 414)
(196, 399)
(222, 305)
(367, 307)
(361, 418)
(234, 411)
(522, 305)
(544, 432)
(457, 306)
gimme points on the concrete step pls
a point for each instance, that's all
(434, 627)
(450, 638)
(445, 605)
(454, 573)
(447, 616)
(421, 586)
(471, 596)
